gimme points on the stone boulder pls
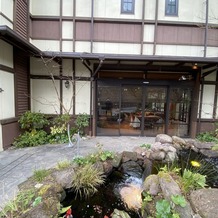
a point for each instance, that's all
(132, 168)
(151, 184)
(163, 138)
(204, 202)
(129, 156)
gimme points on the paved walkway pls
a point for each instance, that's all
(17, 165)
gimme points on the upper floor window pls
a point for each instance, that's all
(171, 7)
(127, 6)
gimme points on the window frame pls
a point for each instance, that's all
(169, 5)
(132, 2)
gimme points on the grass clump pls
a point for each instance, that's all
(63, 164)
(20, 205)
(40, 174)
(86, 180)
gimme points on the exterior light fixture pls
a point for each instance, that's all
(195, 66)
(67, 84)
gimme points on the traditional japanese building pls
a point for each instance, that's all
(137, 67)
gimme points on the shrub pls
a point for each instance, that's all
(81, 122)
(31, 120)
(207, 137)
(86, 180)
(31, 139)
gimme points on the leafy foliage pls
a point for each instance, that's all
(179, 200)
(81, 122)
(63, 164)
(30, 121)
(208, 137)
(31, 139)
(20, 205)
(86, 180)
(147, 146)
(192, 181)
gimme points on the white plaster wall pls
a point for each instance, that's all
(82, 46)
(67, 69)
(67, 30)
(45, 7)
(68, 97)
(4, 21)
(112, 9)
(67, 8)
(148, 49)
(150, 6)
(67, 46)
(83, 8)
(116, 48)
(38, 67)
(188, 11)
(208, 101)
(148, 33)
(213, 11)
(7, 8)
(212, 51)
(81, 70)
(181, 50)
(6, 54)
(46, 45)
(7, 101)
(43, 96)
(82, 97)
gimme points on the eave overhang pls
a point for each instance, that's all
(11, 37)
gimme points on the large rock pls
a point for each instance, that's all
(158, 155)
(169, 187)
(163, 138)
(132, 169)
(129, 156)
(64, 177)
(209, 153)
(204, 202)
(151, 184)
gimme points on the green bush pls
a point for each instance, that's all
(81, 122)
(207, 137)
(31, 139)
(31, 120)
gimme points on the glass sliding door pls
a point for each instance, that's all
(131, 107)
(108, 103)
(154, 116)
(179, 114)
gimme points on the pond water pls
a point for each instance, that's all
(103, 202)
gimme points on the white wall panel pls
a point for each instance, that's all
(82, 97)
(213, 11)
(208, 101)
(4, 21)
(212, 51)
(148, 33)
(67, 8)
(116, 48)
(67, 46)
(38, 67)
(68, 98)
(82, 46)
(81, 70)
(175, 50)
(148, 49)
(1, 142)
(44, 98)
(211, 77)
(47, 45)
(7, 101)
(193, 11)
(150, 7)
(112, 9)
(67, 67)
(45, 7)
(7, 8)
(6, 54)
(67, 30)
(83, 8)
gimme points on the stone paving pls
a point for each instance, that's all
(17, 165)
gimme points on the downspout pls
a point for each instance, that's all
(155, 27)
(92, 27)
(206, 29)
(143, 26)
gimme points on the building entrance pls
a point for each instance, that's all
(140, 110)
